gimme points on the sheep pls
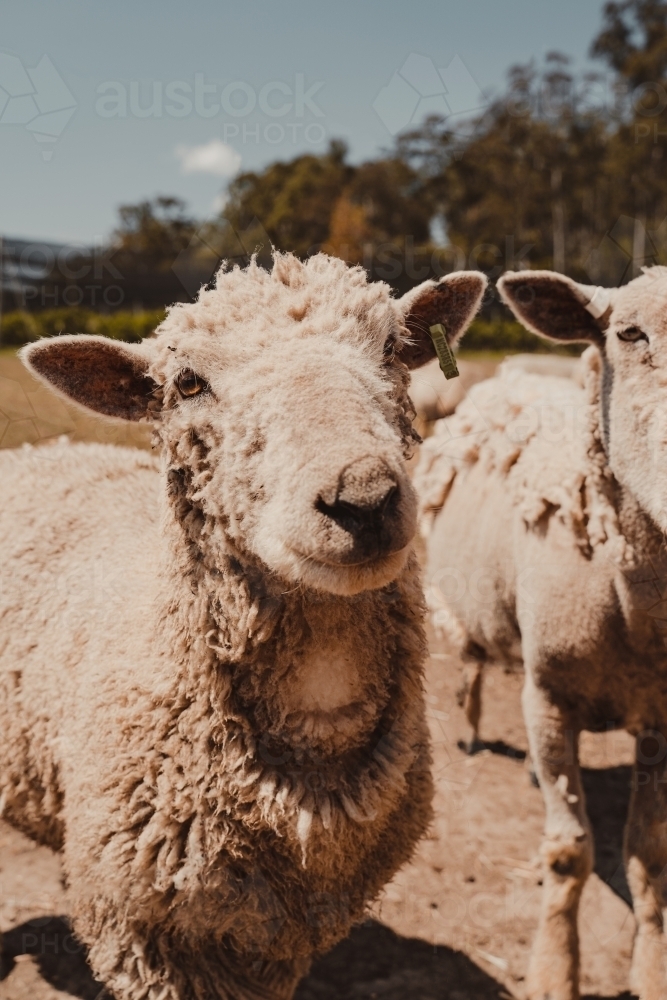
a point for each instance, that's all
(506, 407)
(434, 398)
(212, 659)
(544, 508)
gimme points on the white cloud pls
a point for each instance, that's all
(220, 201)
(214, 157)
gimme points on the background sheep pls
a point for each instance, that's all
(212, 662)
(434, 397)
(545, 506)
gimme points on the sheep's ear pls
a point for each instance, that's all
(453, 301)
(100, 374)
(554, 306)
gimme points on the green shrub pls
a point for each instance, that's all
(21, 327)
(18, 328)
(54, 321)
(508, 335)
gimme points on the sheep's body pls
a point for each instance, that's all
(549, 564)
(212, 664)
(75, 558)
(552, 365)
(543, 505)
(435, 398)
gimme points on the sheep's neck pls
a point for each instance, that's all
(639, 549)
(308, 707)
(304, 669)
(643, 540)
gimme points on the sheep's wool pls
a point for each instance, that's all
(233, 764)
(495, 425)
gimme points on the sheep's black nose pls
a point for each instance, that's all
(356, 519)
(365, 500)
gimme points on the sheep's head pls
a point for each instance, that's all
(629, 327)
(282, 409)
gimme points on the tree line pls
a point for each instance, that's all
(562, 170)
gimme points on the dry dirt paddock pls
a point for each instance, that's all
(455, 923)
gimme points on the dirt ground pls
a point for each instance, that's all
(454, 924)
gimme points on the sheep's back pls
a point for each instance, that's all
(502, 421)
(78, 544)
(513, 451)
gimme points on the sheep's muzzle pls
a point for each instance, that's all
(364, 511)
(344, 526)
(364, 523)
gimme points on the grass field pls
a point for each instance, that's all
(32, 414)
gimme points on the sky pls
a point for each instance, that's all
(107, 104)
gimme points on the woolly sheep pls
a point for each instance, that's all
(434, 398)
(545, 508)
(212, 661)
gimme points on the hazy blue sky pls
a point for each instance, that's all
(120, 108)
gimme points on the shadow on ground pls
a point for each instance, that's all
(375, 962)
(607, 797)
(494, 746)
(60, 958)
(607, 793)
(617, 996)
(372, 962)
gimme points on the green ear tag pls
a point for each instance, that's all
(443, 350)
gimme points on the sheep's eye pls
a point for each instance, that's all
(189, 383)
(389, 350)
(631, 335)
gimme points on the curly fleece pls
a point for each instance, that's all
(494, 426)
(159, 710)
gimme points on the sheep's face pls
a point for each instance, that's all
(296, 443)
(283, 412)
(629, 326)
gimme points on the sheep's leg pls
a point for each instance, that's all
(469, 696)
(567, 847)
(645, 850)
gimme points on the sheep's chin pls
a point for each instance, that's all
(349, 580)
